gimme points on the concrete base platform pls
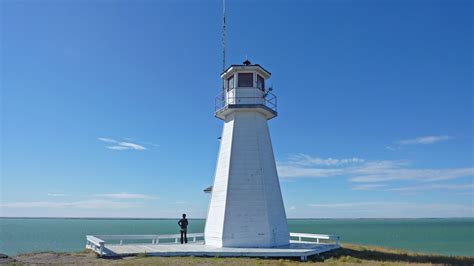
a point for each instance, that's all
(295, 249)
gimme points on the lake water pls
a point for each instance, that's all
(442, 236)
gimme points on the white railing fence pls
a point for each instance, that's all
(97, 242)
(314, 238)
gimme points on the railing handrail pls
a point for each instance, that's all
(97, 242)
(267, 92)
(144, 237)
(320, 236)
(222, 99)
(300, 237)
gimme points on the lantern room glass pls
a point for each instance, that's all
(260, 82)
(245, 79)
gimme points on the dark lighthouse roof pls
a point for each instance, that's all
(247, 63)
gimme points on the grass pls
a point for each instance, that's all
(348, 254)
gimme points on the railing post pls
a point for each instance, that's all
(176, 240)
(101, 249)
(157, 241)
(317, 240)
(121, 242)
(194, 239)
(299, 238)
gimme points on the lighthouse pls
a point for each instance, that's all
(246, 206)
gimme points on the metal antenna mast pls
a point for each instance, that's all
(223, 35)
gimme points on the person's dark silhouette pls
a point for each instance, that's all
(183, 223)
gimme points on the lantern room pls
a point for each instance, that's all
(245, 88)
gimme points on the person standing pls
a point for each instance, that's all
(183, 223)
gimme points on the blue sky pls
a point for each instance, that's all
(107, 106)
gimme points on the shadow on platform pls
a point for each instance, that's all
(352, 254)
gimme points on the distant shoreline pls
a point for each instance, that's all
(128, 218)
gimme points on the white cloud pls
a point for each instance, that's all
(124, 195)
(85, 204)
(418, 141)
(435, 187)
(389, 210)
(345, 204)
(382, 187)
(56, 195)
(303, 159)
(107, 140)
(181, 202)
(142, 142)
(363, 171)
(298, 171)
(150, 144)
(125, 145)
(302, 165)
(132, 146)
(369, 174)
(368, 186)
(118, 148)
(424, 140)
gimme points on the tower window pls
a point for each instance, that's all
(260, 82)
(230, 83)
(245, 79)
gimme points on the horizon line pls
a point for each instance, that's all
(168, 218)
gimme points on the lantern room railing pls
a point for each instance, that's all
(245, 96)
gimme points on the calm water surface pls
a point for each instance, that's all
(443, 236)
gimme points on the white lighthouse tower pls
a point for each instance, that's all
(246, 207)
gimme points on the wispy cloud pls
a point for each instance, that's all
(370, 174)
(368, 186)
(383, 187)
(142, 142)
(302, 165)
(56, 195)
(132, 146)
(434, 187)
(362, 171)
(117, 148)
(107, 140)
(181, 202)
(124, 195)
(382, 209)
(350, 204)
(126, 145)
(84, 204)
(290, 171)
(424, 140)
(304, 159)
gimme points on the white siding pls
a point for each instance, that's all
(215, 225)
(245, 96)
(246, 208)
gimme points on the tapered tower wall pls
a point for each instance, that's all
(246, 208)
